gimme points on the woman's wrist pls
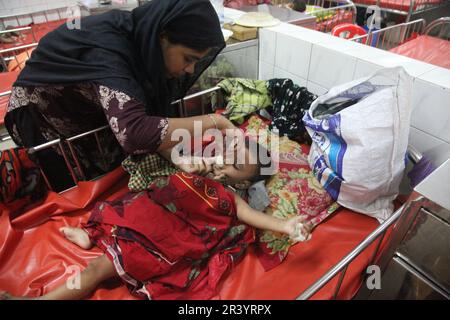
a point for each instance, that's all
(214, 120)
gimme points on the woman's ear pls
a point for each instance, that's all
(164, 39)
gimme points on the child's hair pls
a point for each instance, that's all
(257, 150)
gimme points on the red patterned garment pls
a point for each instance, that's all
(21, 182)
(174, 241)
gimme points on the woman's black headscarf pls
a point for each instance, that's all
(121, 50)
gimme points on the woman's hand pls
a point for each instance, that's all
(196, 165)
(223, 123)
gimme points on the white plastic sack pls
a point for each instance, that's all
(358, 153)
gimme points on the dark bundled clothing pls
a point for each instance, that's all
(289, 104)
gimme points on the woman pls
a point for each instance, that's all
(122, 69)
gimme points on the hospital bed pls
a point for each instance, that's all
(414, 39)
(34, 258)
(407, 8)
(32, 26)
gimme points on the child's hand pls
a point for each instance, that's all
(299, 229)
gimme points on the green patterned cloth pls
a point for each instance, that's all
(244, 96)
(145, 169)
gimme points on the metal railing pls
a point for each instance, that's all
(15, 19)
(390, 37)
(439, 28)
(378, 234)
(342, 266)
(407, 8)
(14, 54)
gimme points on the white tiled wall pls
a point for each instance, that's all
(320, 61)
(8, 7)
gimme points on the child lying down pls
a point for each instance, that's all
(175, 240)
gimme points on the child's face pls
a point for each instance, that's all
(236, 174)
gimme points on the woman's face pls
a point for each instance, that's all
(179, 59)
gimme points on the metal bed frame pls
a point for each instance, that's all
(339, 269)
(390, 37)
(16, 18)
(421, 7)
(19, 26)
(10, 54)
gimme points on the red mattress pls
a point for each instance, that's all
(402, 5)
(34, 256)
(40, 30)
(427, 49)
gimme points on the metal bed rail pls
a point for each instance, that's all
(342, 266)
(439, 28)
(17, 20)
(13, 54)
(379, 234)
(390, 37)
(406, 8)
(20, 30)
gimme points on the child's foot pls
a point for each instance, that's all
(77, 236)
(298, 229)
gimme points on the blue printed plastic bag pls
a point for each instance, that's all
(360, 136)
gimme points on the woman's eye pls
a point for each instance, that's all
(188, 60)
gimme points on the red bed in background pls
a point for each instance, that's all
(402, 5)
(427, 49)
(39, 30)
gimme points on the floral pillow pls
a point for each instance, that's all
(293, 190)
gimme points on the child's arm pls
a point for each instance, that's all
(257, 219)
(294, 227)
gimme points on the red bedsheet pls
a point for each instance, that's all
(427, 49)
(35, 258)
(402, 5)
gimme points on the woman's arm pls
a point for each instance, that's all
(138, 132)
(208, 121)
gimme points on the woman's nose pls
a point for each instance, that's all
(190, 68)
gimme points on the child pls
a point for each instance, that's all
(175, 240)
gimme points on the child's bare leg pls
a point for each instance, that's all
(296, 227)
(97, 271)
(77, 236)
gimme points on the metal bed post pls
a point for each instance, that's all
(343, 264)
